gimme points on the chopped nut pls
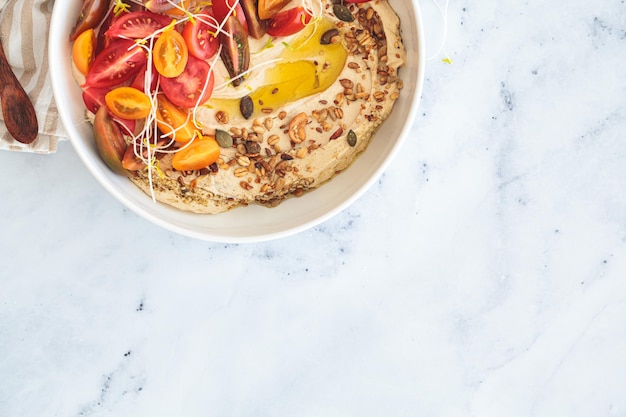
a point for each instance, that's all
(297, 127)
(221, 116)
(302, 152)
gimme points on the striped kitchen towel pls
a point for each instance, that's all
(24, 34)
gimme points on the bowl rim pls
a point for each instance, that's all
(55, 51)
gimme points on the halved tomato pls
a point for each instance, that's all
(268, 8)
(109, 140)
(116, 64)
(91, 13)
(160, 6)
(94, 98)
(222, 9)
(191, 88)
(137, 25)
(173, 121)
(235, 52)
(199, 154)
(170, 54)
(83, 50)
(288, 22)
(128, 103)
(201, 35)
(139, 82)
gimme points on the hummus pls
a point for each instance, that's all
(313, 101)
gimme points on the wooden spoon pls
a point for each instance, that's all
(18, 111)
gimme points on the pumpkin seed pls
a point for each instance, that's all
(327, 36)
(246, 105)
(223, 138)
(342, 13)
(351, 138)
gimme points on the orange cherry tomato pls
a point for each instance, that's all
(83, 50)
(199, 154)
(128, 103)
(173, 121)
(268, 8)
(170, 54)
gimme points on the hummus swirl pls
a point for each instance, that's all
(287, 150)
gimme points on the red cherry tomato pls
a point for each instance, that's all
(221, 9)
(94, 98)
(288, 22)
(188, 89)
(139, 82)
(201, 35)
(116, 64)
(137, 25)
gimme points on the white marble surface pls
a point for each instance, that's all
(483, 275)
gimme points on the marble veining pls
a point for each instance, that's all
(483, 274)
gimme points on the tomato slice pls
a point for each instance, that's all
(137, 25)
(170, 54)
(268, 8)
(116, 64)
(128, 103)
(173, 121)
(91, 13)
(222, 8)
(139, 82)
(191, 88)
(288, 22)
(235, 52)
(199, 154)
(109, 140)
(201, 35)
(94, 98)
(83, 50)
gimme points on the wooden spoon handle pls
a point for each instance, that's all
(17, 109)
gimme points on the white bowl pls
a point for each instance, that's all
(252, 223)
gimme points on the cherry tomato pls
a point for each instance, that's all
(139, 82)
(91, 13)
(130, 161)
(256, 27)
(109, 140)
(235, 52)
(94, 98)
(170, 54)
(159, 6)
(176, 11)
(173, 121)
(268, 8)
(201, 35)
(128, 103)
(221, 9)
(188, 89)
(116, 64)
(288, 22)
(83, 50)
(199, 154)
(137, 25)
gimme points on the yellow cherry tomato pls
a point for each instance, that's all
(128, 103)
(170, 54)
(82, 50)
(199, 154)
